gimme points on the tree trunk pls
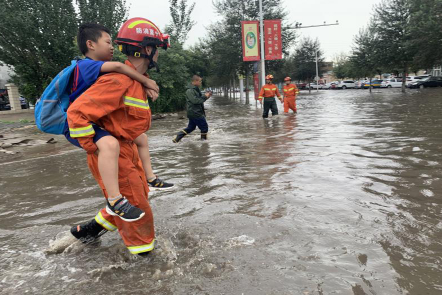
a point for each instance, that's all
(234, 87)
(371, 86)
(247, 86)
(404, 79)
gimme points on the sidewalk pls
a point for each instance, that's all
(17, 116)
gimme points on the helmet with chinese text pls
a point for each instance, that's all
(137, 33)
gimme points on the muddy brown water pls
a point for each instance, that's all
(343, 198)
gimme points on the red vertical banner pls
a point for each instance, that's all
(250, 40)
(256, 85)
(272, 39)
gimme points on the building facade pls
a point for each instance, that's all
(5, 75)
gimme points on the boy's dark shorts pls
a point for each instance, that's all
(99, 133)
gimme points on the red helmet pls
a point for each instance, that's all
(141, 32)
(287, 79)
(269, 77)
(137, 33)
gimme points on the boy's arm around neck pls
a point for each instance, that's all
(113, 66)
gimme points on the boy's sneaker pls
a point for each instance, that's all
(125, 210)
(158, 184)
(88, 232)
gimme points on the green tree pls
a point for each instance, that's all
(177, 64)
(199, 61)
(364, 61)
(109, 13)
(172, 80)
(181, 23)
(426, 32)
(342, 67)
(224, 37)
(36, 38)
(391, 24)
(304, 60)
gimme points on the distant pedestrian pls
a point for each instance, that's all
(195, 110)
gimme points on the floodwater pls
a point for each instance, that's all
(344, 197)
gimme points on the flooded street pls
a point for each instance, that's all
(344, 197)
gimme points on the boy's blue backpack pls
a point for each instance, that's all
(50, 110)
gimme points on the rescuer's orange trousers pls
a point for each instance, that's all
(138, 236)
(289, 103)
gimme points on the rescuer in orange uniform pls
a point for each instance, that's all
(268, 93)
(290, 92)
(119, 104)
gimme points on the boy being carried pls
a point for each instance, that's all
(95, 43)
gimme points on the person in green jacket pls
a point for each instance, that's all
(195, 110)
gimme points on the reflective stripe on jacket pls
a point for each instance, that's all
(269, 91)
(114, 102)
(290, 90)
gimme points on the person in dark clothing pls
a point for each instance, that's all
(195, 110)
(268, 93)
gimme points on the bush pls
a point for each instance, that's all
(172, 80)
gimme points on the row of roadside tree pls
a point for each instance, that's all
(37, 39)
(403, 36)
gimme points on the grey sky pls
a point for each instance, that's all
(352, 16)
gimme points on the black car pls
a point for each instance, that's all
(4, 103)
(427, 82)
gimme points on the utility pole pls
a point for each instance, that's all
(299, 26)
(317, 72)
(261, 26)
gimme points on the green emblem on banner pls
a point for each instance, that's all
(250, 40)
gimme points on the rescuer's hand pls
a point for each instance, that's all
(152, 94)
(151, 84)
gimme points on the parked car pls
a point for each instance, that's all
(411, 79)
(313, 85)
(346, 84)
(392, 83)
(331, 85)
(301, 85)
(23, 103)
(374, 84)
(359, 84)
(431, 81)
(4, 103)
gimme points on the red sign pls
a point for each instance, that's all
(273, 40)
(256, 85)
(250, 40)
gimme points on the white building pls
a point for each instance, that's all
(5, 74)
(436, 71)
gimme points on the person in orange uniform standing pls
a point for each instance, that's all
(268, 93)
(119, 104)
(290, 92)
